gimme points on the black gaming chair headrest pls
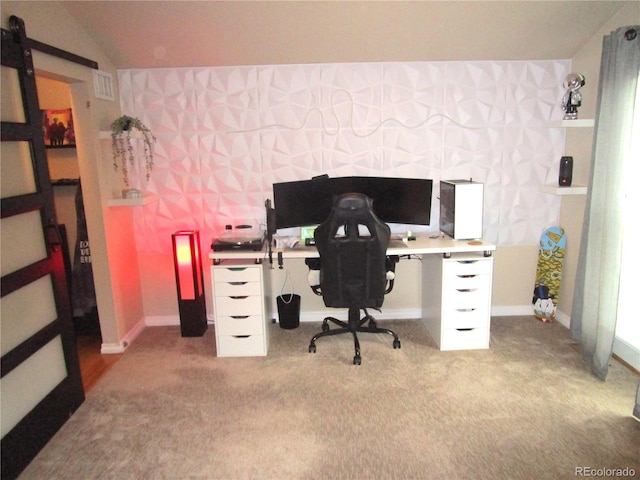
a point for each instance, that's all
(353, 201)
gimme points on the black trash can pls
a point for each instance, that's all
(289, 310)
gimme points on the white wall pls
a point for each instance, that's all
(226, 134)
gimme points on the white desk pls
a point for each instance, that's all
(420, 246)
(456, 307)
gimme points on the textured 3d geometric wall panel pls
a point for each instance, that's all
(226, 134)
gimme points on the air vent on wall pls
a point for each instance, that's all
(103, 85)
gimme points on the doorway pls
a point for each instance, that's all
(55, 102)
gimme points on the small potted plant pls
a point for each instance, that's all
(123, 152)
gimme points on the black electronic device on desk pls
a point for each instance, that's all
(237, 243)
(243, 239)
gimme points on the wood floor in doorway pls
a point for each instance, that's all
(93, 364)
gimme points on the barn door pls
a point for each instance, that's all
(40, 379)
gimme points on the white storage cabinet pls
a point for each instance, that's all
(457, 300)
(241, 308)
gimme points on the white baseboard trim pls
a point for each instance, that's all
(162, 320)
(520, 310)
(627, 352)
(111, 348)
(167, 320)
(115, 348)
(133, 333)
(386, 314)
(511, 310)
(563, 319)
(341, 314)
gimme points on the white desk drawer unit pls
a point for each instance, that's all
(457, 300)
(240, 308)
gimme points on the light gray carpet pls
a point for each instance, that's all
(525, 409)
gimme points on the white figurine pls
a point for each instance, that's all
(544, 308)
(572, 99)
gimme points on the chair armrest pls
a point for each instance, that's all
(391, 271)
(313, 277)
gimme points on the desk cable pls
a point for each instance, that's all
(287, 278)
(338, 127)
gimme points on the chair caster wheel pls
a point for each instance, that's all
(312, 349)
(357, 360)
(396, 344)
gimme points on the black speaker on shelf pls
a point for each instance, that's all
(566, 171)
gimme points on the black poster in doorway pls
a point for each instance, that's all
(83, 294)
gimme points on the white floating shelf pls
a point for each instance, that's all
(555, 190)
(131, 202)
(587, 122)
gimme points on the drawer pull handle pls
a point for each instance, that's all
(466, 276)
(239, 317)
(465, 310)
(237, 283)
(466, 290)
(239, 297)
(464, 329)
(467, 261)
(237, 269)
(241, 336)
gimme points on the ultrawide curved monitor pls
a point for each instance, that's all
(395, 200)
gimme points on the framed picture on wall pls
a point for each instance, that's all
(57, 126)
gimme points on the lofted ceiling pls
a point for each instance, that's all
(154, 34)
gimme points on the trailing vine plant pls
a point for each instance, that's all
(122, 148)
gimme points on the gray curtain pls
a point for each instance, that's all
(595, 304)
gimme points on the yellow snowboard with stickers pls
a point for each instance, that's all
(553, 243)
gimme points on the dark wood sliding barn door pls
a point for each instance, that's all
(40, 379)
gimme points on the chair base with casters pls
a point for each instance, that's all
(354, 325)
